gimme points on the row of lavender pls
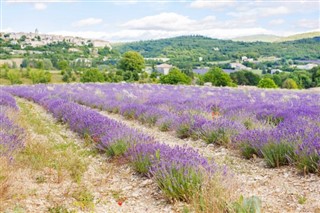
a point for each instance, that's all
(178, 171)
(283, 127)
(11, 135)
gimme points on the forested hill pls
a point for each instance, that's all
(193, 47)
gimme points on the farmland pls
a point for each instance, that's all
(178, 144)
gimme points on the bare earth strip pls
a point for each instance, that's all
(281, 190)
(102, 185)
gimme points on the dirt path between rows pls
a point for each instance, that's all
(281, 190)
(106, 182)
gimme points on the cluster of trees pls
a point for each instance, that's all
(290, 80)
(130, 67)
(15, 75)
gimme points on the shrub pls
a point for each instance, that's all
(184, 131)
(92, 75)
(277, 154)
(39, 76)
(14, 77)
(247, 205)
(267, 83)
(117, 148)
(247, 150)
(290, 84)
(309, 163)
(178, 171)
(217, 77)
(175, 76)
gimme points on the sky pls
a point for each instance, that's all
(131, 20)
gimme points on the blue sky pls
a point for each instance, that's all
(140, 20)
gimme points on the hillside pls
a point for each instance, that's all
(300, 36)
(190, 48)
(274, 38)
(258, 37)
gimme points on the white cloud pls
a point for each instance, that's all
(276, 22)
(7, 30)
(260, 12)
(87, 22)
(310, 24)
(40, 6)
(212, 4)
(162, 21)
(177, 22)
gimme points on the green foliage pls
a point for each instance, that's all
(132, 61)
(39, 76)
(315, 75)
(175, 76)
(184, 131)
(84, 198)
(92, 75)
(220, 137)
(179, 185)
(247, 150)
(59, 209)
(303, 78)
(289, 84)
(247, 205)
(278, 154)
(117, 148)
(267, 83)
(217, 77)
(309, 163)
(245, 78)
(190, 48)
(14, 77)
(63, 65)
(142, 164)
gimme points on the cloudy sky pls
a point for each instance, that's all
(139, 20)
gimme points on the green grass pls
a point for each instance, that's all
(84, 199)
(50, 148)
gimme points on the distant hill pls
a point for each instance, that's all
(300, 36)
(258, 37)
(190, 48)
(274, 38)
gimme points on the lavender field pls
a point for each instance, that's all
(280, 127)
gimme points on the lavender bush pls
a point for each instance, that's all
(249, 119)
(12, 135)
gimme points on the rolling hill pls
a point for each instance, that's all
(190, 48)
(274, 38)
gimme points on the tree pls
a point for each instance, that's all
(277, 80)
(14, 77)
(39, 76)
(315, 74)
(267, 83)
(175, 76)
(290, 84)
(245, 78)
(132, 61)
(25, 63)
(303, 78)
(62, 65)
(127, 76)
(92, 75)
(217, 77)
